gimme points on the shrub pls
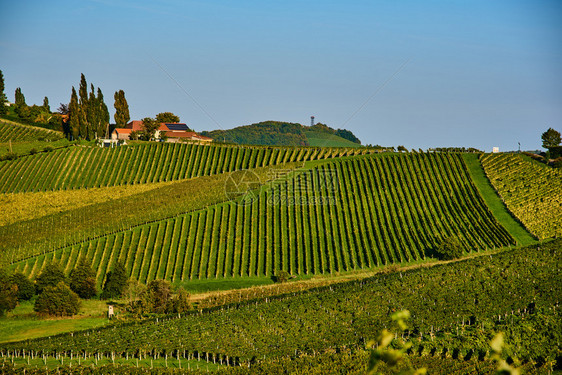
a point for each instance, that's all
(83, 279)
(281, 277)
(52, 275)
(33, 151)
(59, 300)
(449, 248)
(180, 302)
(26, 289)
(48, 148)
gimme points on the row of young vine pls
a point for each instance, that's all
(84, 167)
(349, 214)
(456, 308)
(530, 190)
(20, 133)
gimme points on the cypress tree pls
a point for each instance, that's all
(83, 107)
(115, 282)
(46, 104)
(93, 114)
(20, 98)
(121, 109)
(3, 100)
(104, 114)
(73, 116)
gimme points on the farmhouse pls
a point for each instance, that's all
(173, 132)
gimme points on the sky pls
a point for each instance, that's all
(421, 74)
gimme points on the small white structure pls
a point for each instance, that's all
(495, 150)
(110, 313)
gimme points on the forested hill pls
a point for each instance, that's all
(279, 133)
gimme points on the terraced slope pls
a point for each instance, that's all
(531, 191)
(354, 213)
(12, 131)
(80, 167)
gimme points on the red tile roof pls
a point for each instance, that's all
(123, 130)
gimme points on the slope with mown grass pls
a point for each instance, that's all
(531, 191)
(350, 214)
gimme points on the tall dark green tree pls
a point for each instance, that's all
(3, 98)
(115, 282)
(51, 275)
(8, 293)
(121, 116)
(83, 110)
(83, 279)
(19, 98)
(92, 113)
(46, 104)
(103, 115)
(73, 123)
(58, 300)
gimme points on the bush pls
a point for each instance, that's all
(83, 279)
(8, 293)
(26, 289)
(59, 300)
(115, 282)
(449, 248)
(48, 148)
(281, 277)
(52, 275)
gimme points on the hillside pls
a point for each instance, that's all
(275, 133)
(16, 132)
(84, 167)
(531, 191)
(315, 221)
(456, 309)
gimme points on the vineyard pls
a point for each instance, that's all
(349, 214)
(14, 132)
(455, 310)
(84, 167)
(530, 190)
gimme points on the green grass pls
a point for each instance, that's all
(212, 285)
(495, 204)
(25, 148)
(320, 139)
(23, 323)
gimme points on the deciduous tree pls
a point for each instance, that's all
(8, 293)
(57, 300)
(550, 138)
(149, 127)
(83, 279)
(26, 289)
(52, 275)
(167, 117)
(115, 282)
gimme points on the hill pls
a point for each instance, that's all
(285, 134)
(343, 215)
(85, 167)
(531, 191)
(456, 310)
(16, 132)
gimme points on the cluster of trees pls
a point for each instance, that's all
(157, 297)
(34, 114)
(88, 116)
(57, 294)
(265, 133)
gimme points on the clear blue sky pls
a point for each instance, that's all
(476, 74)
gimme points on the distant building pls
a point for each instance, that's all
(173, 132)
(495, 150)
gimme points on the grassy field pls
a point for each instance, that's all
(495, 204)
(23, 323)
(321, 139)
